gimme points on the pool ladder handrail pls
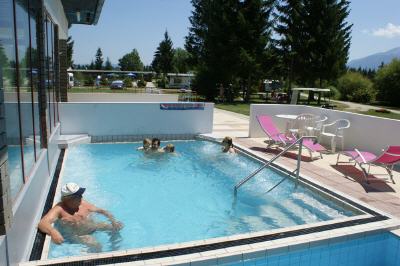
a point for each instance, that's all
(298, 141)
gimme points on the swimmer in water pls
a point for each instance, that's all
(169, 148)
(155, 145)
(73, 214)
(227, 144)
(146, 145)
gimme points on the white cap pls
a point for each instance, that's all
(71, 189)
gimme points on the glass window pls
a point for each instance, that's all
(50, 77)
(33, 5)
(25, 82)
(48, 72)
(9, 86)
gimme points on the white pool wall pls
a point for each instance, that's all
(366, 132)
(110, 119)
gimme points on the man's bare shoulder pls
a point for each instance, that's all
(88, 205)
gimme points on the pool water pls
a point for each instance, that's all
(172, 198)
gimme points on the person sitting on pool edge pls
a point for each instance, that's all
(169, 148)
(146, 145)
(227, 144)
(74, 215)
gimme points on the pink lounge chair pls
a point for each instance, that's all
(387, 160)
(280, 139)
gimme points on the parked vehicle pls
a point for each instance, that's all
(70, 80)
(117, 85)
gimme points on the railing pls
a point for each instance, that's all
(299, 141)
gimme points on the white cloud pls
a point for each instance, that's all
(389, 31)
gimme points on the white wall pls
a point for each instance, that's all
(28, 206)
(106, 119)
(366, 132)
(56, 10)
(121, 97)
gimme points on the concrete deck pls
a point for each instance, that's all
(345, 178)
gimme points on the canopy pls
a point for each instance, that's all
(311, 89)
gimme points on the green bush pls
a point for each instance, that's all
(355, 87)
(128, 82)
(387, 83)
(89, 81)
(334, 94)
(141, 83)
(103, 81)
(161, 83)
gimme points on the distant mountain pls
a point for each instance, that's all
(374, 61)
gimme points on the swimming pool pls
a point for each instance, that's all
(167, 198)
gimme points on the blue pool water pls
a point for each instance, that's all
(381, 249)
(166, 198)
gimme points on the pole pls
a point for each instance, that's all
(299, 160)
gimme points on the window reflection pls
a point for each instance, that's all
(25, 89)
(33, 7)
(9, 86)
(19, 84)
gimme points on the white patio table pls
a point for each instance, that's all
(289, 120)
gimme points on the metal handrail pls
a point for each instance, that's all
(300, 140)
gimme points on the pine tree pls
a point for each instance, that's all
(291, 41)
(108, 65)
(163, 57)
(98, 63)
(213, 44)
(328, 37)
(254, 33)
(92, 65)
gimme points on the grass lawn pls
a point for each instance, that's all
(241, 108)
(104, 90)
(385, 115)
(244, 108)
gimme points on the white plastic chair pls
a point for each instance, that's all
(315, 130)
(336, 131)
(302, 122)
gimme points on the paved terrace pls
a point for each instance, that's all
(345, 178)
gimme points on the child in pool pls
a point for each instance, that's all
(227, 144)
(146, 145)
(170, 148)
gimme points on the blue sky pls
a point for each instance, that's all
(140, 24)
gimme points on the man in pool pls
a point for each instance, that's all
(74, 215)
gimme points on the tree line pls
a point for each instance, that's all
(166, 59)
(237, 43)
(369, 85)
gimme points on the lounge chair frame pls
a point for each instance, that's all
(284, 140)
(366, 172)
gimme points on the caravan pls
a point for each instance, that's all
(70, 80)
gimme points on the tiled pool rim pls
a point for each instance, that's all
(280, 238)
